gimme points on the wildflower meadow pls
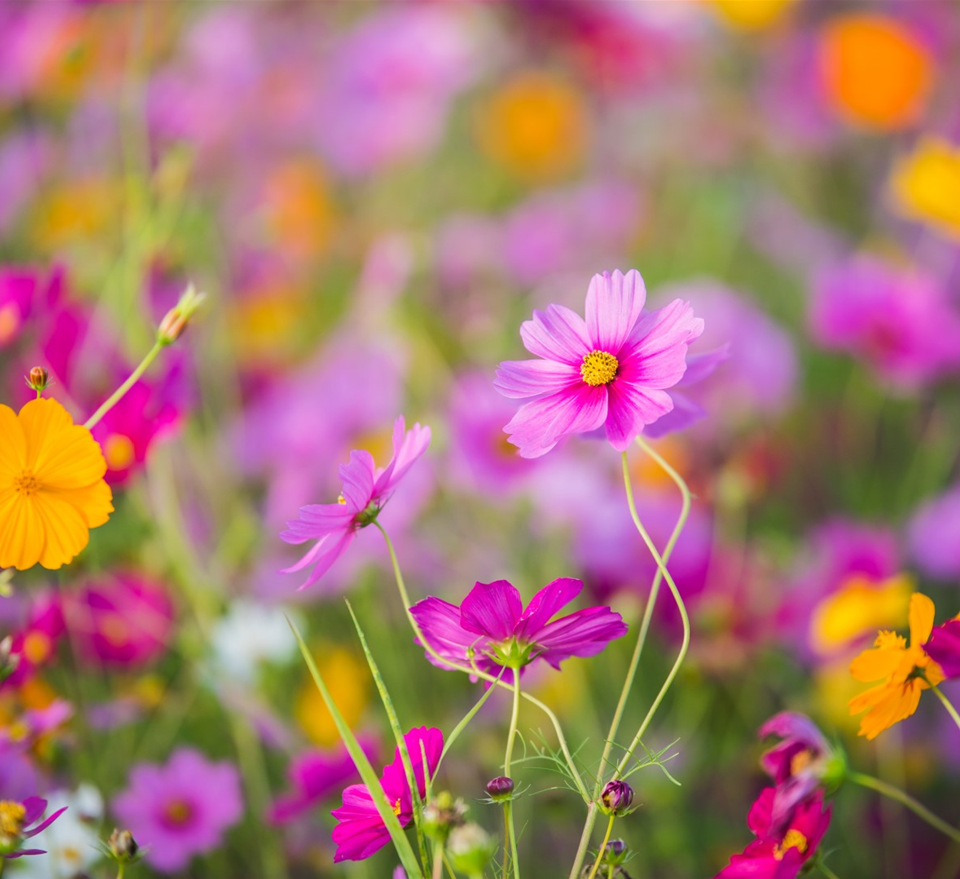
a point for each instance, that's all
(479, 439)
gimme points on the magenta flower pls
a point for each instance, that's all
(16, 819)
(361, 830)
(610, 370)
(492, 628)
(799, 764)
(365, 490)
(944, 647)
(779, 854)
(180, 809)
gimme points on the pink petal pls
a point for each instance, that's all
(316, 521)
(944, 647)
(491, 609)
(557, 334)
(545, 604)
(439, 621)
(614, 304)
(531, 378)
(630, 409)
(540, 424)
(408, 446)
(584, 633)
(357, 478)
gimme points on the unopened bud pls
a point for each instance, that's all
(616, 798)
(470, 849)
(500, 788)
(442, 814)
(176, 319)
(123, 847)
(37, 379)
(614, 853)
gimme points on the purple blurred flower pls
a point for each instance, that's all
(492, 628)
(365, 490)
(899, 320)
(798, 765)
(944, 647)
(180, 809)
(16, 819)
(610, 370)
(933, 535)
(361, 830)
(314, 776)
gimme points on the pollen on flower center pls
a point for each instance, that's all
(26, 484)
(397, 808)
(177, 813)
(792, 839)
(11, 818)
(800, 761)
(599, 368)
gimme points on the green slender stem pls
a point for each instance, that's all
(508, 805)
(476, 672)
(603, 845)
(129, 383)
(894, 793)
(948, 705)
(823, 868)
(685, 643)
(506, 840)
(437, 861)
(120, 872)
(508, 808)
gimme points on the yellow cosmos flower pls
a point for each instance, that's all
(51, 486)
(904, 672)
(926, 184)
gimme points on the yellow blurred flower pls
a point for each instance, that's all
(535, 125)
(77, 212)
(52, 490)
(875, 71)
(859, 606)
(265, 324)
(926, 185)
(298, 208)
(904, 672)
(348, 679)
(751, 15)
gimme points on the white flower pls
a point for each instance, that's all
(248, 635)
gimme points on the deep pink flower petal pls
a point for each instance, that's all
(533, 378)
(33, 808)
(420, 741)
(547, 602)
(614, 303)
(491, 609)
(440, 623)
(44, 824)
(540, 424)
(630, 409)
(944, 647)
(26, 851)
(557, 334)
(357, 479)
(583, 633)
(761, 812)
(655, 356)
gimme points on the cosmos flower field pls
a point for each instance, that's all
(480, 439)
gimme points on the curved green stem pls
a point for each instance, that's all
(603, 845)
(508, 805)
(129, 383)
(894, 793)
(444, 662)
(948, 705)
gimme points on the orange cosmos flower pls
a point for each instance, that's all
(51, 486)
(904, 672)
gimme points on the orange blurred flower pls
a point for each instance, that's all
(875, 71)
(904, 672)
(52, 490)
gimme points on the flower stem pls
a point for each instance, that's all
(476, 672)
(685, 643)
(508, 805)
(437, 861)
(948, 705)
(129, 383)
(894, 793)
(823, 868)
(603, 845)
(120, 871)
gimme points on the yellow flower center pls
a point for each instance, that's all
(792, 839)
(890, 641)
(26, 484)
(599, 368)
(800, 761)
(118, 451)
(178, 813)
(37, 646)
(11, 818)
(396, 807)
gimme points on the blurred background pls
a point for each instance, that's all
(374, 196)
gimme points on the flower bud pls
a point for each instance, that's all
(616, 798)
(176, 319)
(470, 849)
(442, 814)
(123, 848)
(500, 788)
(8, 659)
(38, 378)
(614, 853)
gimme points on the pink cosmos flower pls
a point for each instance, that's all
(16, 821)
(944, 647)
(361, 830)
(180, 809)
(779, 854)
(492, 628)
(610, 370)
(365, 490)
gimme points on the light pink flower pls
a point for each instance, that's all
(610, 370)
